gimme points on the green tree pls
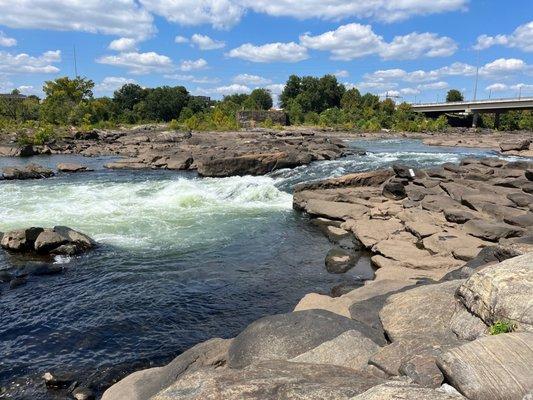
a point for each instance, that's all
(290, 91)
(63, 97)
(454, 95)
(128, 95)
(259, 99)
(236, 98)
(351, 100)
(164, 103)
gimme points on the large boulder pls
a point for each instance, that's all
(350, 349)
(285, 336)
(515, 145)
(491, 368)
(30, 171)
(271, 380)
(422, 311)
(142, 385)
(396, 390)
(502, 292)
(58, 240)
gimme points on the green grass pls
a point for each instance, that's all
(501, 327)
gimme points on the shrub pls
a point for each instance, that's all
(44, 134)
(501, 327)
(174, 125)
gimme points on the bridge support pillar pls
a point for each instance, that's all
(474, 120)
(497, 120)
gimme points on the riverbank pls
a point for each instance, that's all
(449, 304)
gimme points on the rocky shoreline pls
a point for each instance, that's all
(448, 316)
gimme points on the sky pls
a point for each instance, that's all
(411, 50)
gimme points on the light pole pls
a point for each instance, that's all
(477, 76)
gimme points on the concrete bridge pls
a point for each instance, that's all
(475, 107)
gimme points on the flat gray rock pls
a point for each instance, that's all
(423, 311)
(285, 336)
(502, 292)
(491, 368)
(271, 380)
(142, 385)
(396, 390)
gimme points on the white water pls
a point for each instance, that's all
(165, 212)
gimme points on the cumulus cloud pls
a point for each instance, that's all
(6, 41)
(224, 90)
(122, 44)
(112, 83)
(387, 11)
(521, 38)
(497, 87)
(342, 74)
(247, 79)
(221, 14)
(271, 52)
(503, 67)
(204, 42)
(139, 63)
(433, 86)
(181, 39)
(193, 65)
(502, 87)
(119, 17)
(192, 78)
(351, 41)
(24, 63)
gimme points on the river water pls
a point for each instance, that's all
(182, 259)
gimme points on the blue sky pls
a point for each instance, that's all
(414, 49)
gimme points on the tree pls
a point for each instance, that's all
(63, 96)
(351, 100)
(259, 99)
(290, 91)
(237, 98)
(128, 95)
(454, 95)
(164, 103)
(74, 90)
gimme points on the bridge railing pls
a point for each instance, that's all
(483, 101)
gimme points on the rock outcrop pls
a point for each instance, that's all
(491, 368)
(30, 171)
(57, 240)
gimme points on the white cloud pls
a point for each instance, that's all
(224, 90)
(204, 42)
(24, 63)
(247, 79)
(416, 45)
(221, 14)
(342, 74)
(112, 83)
(338, 9)
(139, 63)
(521, 38)
(181, 39)
(433, 86)
(497, 87)
(6, 41)
(409, 91)
(122, 44)
(271, 52)
(193, 65)
(503, 67)
(346, 42)
(276, 88)
(118, 17)
(192, 78)
(351, 41)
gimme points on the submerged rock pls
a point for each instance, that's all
(339, 261)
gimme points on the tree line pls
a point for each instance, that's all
(307, 100)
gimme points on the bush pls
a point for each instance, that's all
(501, 327)
(44, 134)
(174, 125)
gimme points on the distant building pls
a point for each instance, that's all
(251, 118)
(207, 99)
(10, 96)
